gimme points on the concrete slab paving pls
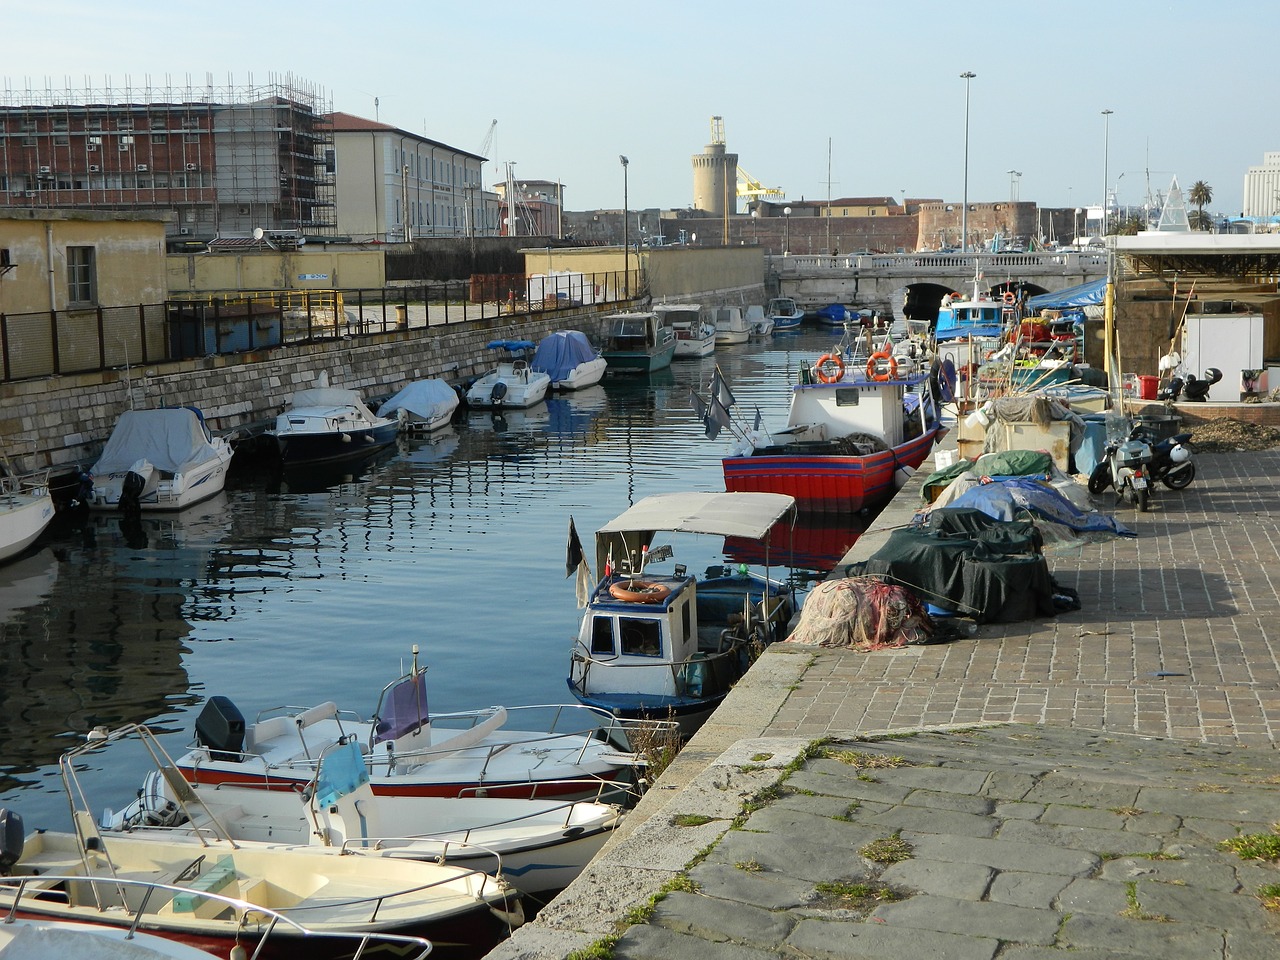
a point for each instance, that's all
(1061, 786)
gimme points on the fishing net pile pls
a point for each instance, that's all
(863, 613)
(1221, 435)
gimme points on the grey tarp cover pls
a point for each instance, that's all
(426, 399)
(172, 439)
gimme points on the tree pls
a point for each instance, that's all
(1201, 194)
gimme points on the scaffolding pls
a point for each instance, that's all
(216, 159)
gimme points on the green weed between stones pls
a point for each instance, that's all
(1254, 846)
(1134, 911)
(644, 912)
(856, 894)
(891, 849)
(750, 866)
(602, 949)
(1269, 894)
(864, 761)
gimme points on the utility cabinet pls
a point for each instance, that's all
(1232, 342)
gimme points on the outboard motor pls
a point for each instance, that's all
(1198, 390)
(12, 839)
(220, 727)
(130, 494)
(498, 393)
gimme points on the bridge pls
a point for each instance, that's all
(918, 281)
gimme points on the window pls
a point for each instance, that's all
(81, 275)
(159, 138)
(126, 141)
(641, 638)
(602, 636)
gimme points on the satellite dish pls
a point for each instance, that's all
(257, 233)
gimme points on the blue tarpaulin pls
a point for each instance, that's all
(558, 353)
(1081, 295)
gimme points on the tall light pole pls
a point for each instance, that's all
(1014, 177)
(786, 230)
(964, 212)
(1106, 136)
(626, 237)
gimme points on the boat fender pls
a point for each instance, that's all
(873, 367)
(639, 591)
(827, 361)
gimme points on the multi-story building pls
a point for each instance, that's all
(211, 161)
(1262, 187)
(393, 185)
(535, 208)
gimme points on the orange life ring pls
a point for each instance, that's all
(873, 367)
(822, 365)
(639, 591)
(1009, 298)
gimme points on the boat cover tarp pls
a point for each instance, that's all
(863, 613)
(718, 514)
(426, 399)
(173, 439)
(558, 353)
(990, 570)
(515, 346)
(328, 398)
(1081, 295)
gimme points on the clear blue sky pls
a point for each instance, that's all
(573, 84)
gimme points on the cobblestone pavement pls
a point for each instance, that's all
(1065, 786)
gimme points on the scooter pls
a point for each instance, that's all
(1171, 462)
(1125, 465)
(1190, 386)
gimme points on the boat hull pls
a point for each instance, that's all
(335, 445)
(635, 361)
(25, 515)
(175, 493)
(822, 483)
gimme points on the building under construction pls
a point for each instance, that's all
(214, 161)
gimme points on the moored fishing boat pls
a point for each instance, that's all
(695, 334)
(785, 314)
(852, 436)
(732, 325)
(637, 343)
(670, 644)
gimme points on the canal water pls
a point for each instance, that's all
(299, 588)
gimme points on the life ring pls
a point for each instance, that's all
(821, 368)
(639, 591)
(873, 367)
(1009, 298)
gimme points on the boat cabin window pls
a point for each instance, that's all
(686, 619)
(641, 638)
(848, 397)
(602, 635)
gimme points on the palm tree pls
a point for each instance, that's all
(1200, 194)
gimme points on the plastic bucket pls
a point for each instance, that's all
(1148, 388)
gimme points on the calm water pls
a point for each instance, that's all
(296, 589)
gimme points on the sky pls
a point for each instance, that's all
(821, 99)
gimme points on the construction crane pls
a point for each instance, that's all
(748, 186)
(488, 140)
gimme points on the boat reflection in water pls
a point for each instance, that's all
(815, 543)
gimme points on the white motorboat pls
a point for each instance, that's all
(162, 459)
(23, 938)
(695, 335)
(732, 325)
(761, 323)
(423, 405)
(323, 424)
(536, 845)
(513, 383)
(568, 358)
(26, 509)
(670, 644)
(785, 314)
(554, 751)
(352, 894)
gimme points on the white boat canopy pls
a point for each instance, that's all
(749, 515)
(173, 439)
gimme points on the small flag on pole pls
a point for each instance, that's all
(759, 421)
(575, 562)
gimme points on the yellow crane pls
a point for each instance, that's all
(748, 186)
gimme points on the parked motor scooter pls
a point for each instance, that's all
(1125, 465)
(1171, 462)
(1190, 387)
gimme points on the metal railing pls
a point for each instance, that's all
(64, 342)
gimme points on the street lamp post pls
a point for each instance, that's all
(626, 238)
(1106, 136)
(964, 212)
(786, 231)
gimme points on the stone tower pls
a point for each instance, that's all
(715, 175)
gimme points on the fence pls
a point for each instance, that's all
(63, 342)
